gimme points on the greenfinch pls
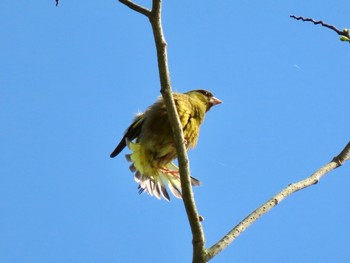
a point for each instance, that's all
(151, 142)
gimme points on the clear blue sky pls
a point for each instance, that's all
(71, 79)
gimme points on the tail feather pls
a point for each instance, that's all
(156, 191)
(195, 182)
(138, 176)
(170, 175)
(172, 167)
(154, 180)
(174, 189)
(164, 192)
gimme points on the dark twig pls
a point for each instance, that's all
(57, 2)
(339, 32)
(136, 7)
(344, 32)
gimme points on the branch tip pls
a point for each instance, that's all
(343, 32)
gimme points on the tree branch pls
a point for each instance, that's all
(345, 33)
(337, 161)
(198, 239)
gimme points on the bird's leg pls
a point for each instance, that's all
(186, 142)
(168, 171)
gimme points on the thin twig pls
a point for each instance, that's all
(57, 2)
(136, 7)
(198, 239)
(292, 188)
(344, 32)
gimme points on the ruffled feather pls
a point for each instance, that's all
(153, 180)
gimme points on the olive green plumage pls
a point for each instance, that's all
(154, 149)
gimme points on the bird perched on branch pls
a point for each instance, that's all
(154, 147)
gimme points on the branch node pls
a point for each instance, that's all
(343, 156)
(338, 161)
(136, 7)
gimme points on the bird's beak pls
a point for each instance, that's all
(214, 101)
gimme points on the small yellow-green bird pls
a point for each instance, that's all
(154, 148)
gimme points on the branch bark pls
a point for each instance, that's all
(154, 16)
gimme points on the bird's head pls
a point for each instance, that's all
(205, 97)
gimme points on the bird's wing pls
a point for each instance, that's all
(188, 113)
(184, 109)
(131, 133)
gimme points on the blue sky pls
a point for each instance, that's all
(71, 80)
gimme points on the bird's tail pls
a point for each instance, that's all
(153, 180)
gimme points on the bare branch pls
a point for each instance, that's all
(57, 2)
(198, 239)
(136, 7)
(292, 188)
(344, 32)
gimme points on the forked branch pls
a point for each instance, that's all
(136, 7)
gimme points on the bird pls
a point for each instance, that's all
(152, 146)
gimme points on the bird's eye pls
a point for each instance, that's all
(206, 93)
